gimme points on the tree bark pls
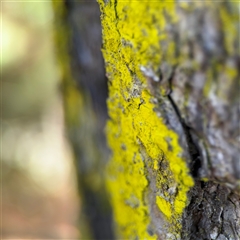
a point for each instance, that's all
(84, 91)
(173, 70)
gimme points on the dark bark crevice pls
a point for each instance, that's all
(193, 149)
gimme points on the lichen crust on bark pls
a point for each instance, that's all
(148, 175)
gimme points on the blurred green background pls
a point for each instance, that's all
(39, 192)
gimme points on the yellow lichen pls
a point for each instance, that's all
(230, 24)
(164, 206)
(132, 32)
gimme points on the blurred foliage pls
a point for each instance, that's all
(38, 185)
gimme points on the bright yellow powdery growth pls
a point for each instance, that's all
(132, 31)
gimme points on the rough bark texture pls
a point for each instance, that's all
(173, 70)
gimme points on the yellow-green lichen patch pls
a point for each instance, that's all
(164, 206)
(230, 24)
(132, 32)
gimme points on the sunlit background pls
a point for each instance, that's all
(39, 192)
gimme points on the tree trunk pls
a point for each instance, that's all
(173, 70)
(84, 91)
